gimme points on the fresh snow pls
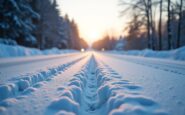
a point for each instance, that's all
(177, 54)
(91, 83)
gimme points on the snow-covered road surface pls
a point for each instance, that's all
(91, 83)
(11, 68)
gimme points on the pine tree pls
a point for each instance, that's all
(16, 21)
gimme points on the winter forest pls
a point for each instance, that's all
(37, 23)
(153, 24)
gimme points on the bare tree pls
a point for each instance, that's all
(169, 25)
(152, 22)
(160, 24)
(179, 24)
(147, 4)
(144, 9)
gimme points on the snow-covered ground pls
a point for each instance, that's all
(91, 83)
(177, 54)
(161, 80)
(17, 51)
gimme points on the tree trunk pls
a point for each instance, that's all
(179, 24)
(148, 24)
(160, 26)
(152, 28)
(169, 26)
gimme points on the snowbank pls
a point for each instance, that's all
(177, 54)
(15, 51)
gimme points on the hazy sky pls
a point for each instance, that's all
(94, 17)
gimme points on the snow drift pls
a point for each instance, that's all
(177, 54)
(15, 51)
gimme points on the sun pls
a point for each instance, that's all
(91, 37)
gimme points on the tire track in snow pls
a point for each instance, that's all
(177, 69)
(22, 85)
(90, 97)
(75, 97)
(98, 90)
(121, 97)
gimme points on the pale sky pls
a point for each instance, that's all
(94, 17)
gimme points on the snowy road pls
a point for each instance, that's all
(13, 68)
(91, 83)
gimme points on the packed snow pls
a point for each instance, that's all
(91, 83)
(17, 51)
(161, 80)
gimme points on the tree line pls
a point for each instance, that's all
(105, 43)
(153, 24)
(160, 24)
(38, 23)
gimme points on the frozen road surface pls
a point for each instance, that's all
(91, 83)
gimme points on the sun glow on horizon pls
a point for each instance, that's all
(91, 37)
(94, 17)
